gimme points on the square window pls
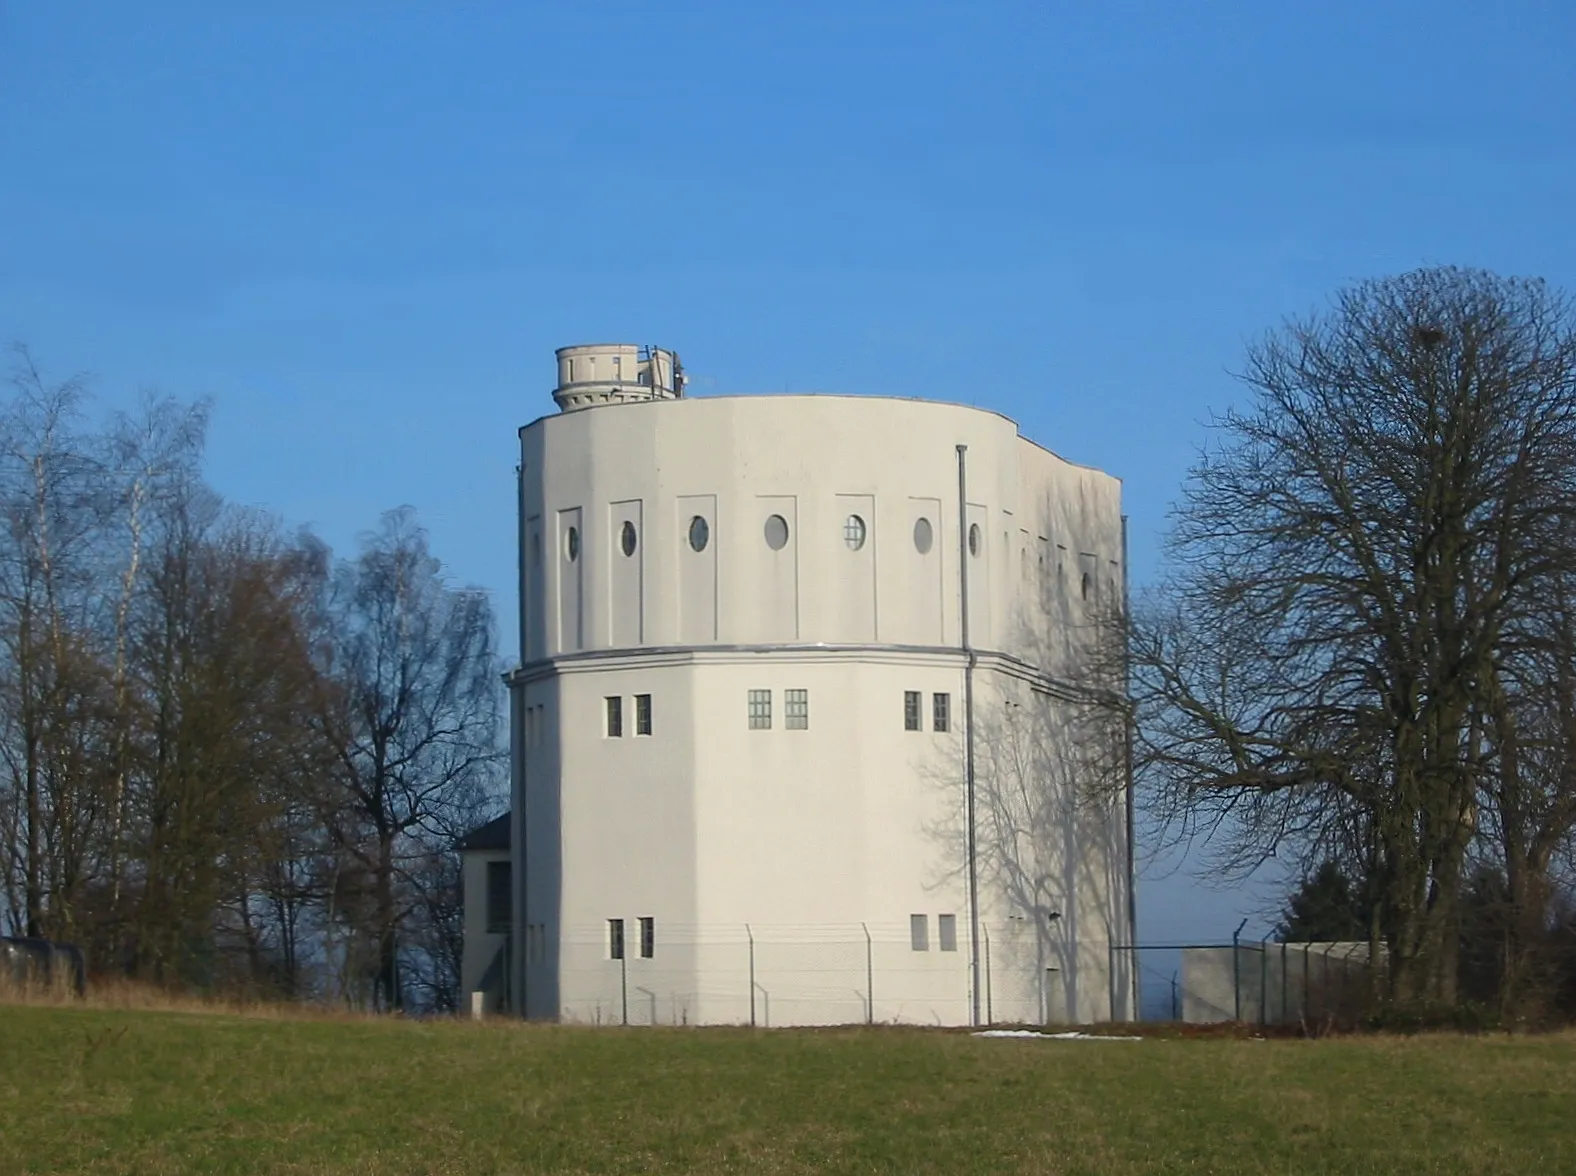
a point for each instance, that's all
(911, 710)
(642, 714)
(648, 936)
(498, 897)
(947, 932)
(919, 932)
(796, 710)
(615, 939)
(615, 717)
(940, 711)
(760, 710)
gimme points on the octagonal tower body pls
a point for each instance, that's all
(774, 809)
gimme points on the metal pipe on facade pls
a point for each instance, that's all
(968, 732)
(1127, 744)
(520, 958)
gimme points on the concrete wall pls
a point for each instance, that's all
(1273, 983)
(819, 845)
(813, 460)
(481, 945)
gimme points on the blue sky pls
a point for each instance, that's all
(362, 228)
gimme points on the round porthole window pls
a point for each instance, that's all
(854, 532)
(626, 538)
(699, 533)
(777, 532)
(572, 543)
(923, 536)
(974, 538)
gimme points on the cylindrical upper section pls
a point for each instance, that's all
(616, 373)
(794, 520)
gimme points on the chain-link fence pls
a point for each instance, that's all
(790, 974)
(1262, 983)
(921, 973)
(762, 975)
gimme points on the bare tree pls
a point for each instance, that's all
(225, 741)
(414, 716)
(151, 462)
(47, 481)
(1355, 563)
(223, 759)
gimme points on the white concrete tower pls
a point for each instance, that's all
(797, 727)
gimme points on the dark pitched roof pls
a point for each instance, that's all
(493, 835)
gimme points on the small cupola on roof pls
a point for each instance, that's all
(616, 373)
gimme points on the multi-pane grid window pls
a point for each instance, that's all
(760, 710)
(911, 720)
(615, 717)
(940, 711)
(615, 939)
(642, 714)
(947, 932)
(648, 937)
(796, 710)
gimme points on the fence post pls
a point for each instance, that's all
(1264, 982)
(1283, 1017)
(1305, 954)
(751, 935)
(1236, 971)
(870, 979)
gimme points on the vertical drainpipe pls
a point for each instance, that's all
(968, 732)
(1127, 739)
(518, 955)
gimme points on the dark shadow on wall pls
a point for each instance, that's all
(1050, 793)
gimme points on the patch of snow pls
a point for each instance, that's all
(1073, 1036)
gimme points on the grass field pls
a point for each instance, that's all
(107, 1090)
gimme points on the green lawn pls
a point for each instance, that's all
(146, 1092)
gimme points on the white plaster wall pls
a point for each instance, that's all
(819, 844)
(811, 459)
(481, 945)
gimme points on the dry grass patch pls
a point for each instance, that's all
(122, 995)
